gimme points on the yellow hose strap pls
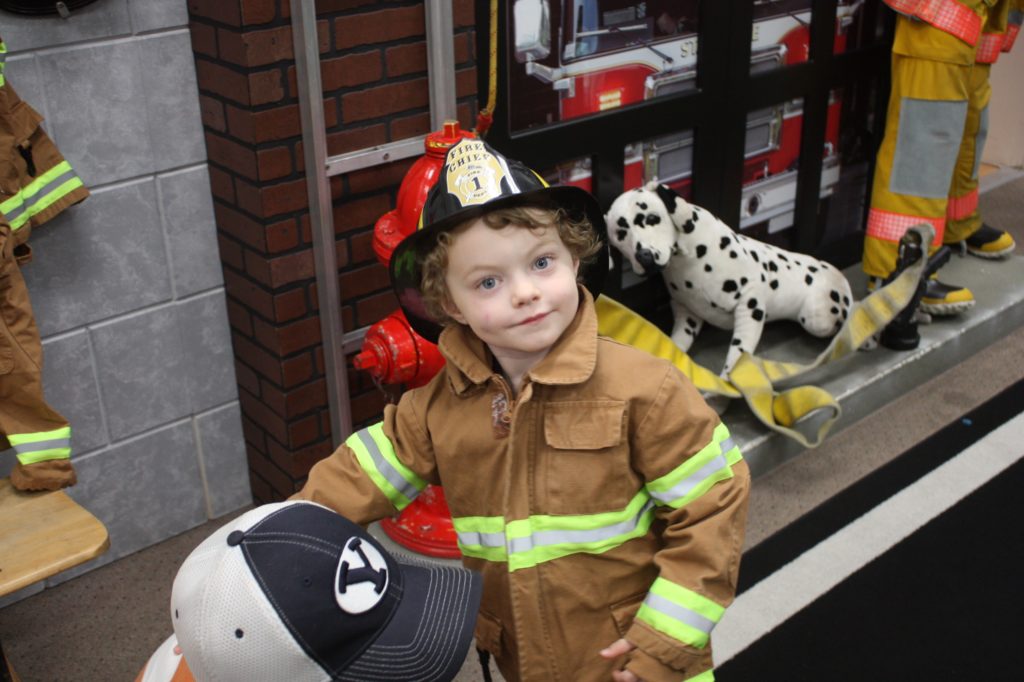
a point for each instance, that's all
(618, 322)
(486, 116)
(756, 379)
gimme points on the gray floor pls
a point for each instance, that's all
(104, 624)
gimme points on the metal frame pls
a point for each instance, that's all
(716, 110)
(320, 167)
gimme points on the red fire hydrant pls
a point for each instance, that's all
(395, 354)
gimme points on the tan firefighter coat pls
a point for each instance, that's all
(607, 500)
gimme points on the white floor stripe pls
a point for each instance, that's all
(785, 592)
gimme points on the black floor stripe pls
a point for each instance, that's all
(941, 605)
(853, 502)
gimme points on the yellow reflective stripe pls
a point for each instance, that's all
(527, 542)
(41, 446)
(482, 537)
(377, 458)
(40, 194)
(680, 613)
(695, 476)
(706, 676)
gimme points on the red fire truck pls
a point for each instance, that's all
(573, 58)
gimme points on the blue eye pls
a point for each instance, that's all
(542, 262)
(488, 283)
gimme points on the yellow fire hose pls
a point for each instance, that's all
(754, 378)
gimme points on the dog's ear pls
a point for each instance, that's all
(668, 197)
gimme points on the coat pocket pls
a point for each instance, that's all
(586, 459)
(623, 612)
(488, 634)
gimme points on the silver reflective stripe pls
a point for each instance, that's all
(692, 481)
(40, 445)
(728, 444)
(682, 614)
(546, 538)
(475, 539)
(384, 467)
(43, 191)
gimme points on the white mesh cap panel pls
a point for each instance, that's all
(215, 598)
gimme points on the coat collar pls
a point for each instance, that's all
(571, 361)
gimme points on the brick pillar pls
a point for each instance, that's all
(373, 66)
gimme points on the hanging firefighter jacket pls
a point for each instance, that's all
(36, 183)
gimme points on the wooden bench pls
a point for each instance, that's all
(42, 534)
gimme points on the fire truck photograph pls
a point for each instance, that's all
(575, 58)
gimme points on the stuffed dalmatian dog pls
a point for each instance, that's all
(717, 276)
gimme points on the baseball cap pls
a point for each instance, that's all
(293, 591)
(474, 180)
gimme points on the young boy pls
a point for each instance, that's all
(598, 494)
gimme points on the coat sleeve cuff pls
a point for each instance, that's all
(657, 659)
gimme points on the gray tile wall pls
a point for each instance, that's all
(127, 286)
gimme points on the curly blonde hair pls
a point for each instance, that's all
(578, 235)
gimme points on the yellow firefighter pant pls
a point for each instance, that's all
(947, 148)
(927, 166)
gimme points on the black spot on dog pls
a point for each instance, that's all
(701, 250)
(758, 314)
(729, 285)
(653, 218)
(774, 284)
(691, 322)
(743, 281)
(813, 269)
(621, 234)
(782, 257)
(707, 268)
(642, 205)
(735, 342)
(773, 267)
(809, 280)
(713, 305)
(834, 310)
(724, 243)
(834, 295)
(752, 303)
(673, 285)
(622, 222)
(688, 284)
(737, 296)
(846, 300)
(763, 278)
(639, 219)
(675, 250)
(732, 254)
(753, 254)
(668, 197)
(688, 226)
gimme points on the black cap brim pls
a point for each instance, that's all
(430, 632)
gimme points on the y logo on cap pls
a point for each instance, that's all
(362, 577)
(474, 174)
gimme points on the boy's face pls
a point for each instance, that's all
(515, 287)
